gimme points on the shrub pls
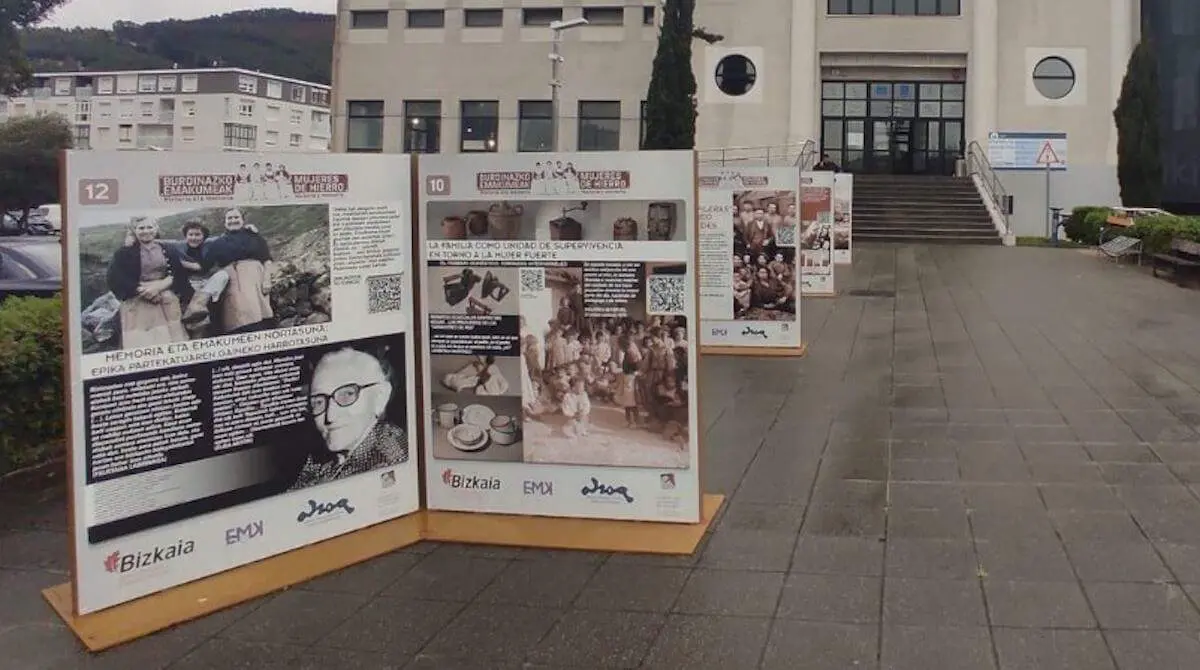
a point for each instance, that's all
(1156, 232)
(1085, 223)
(32, 414)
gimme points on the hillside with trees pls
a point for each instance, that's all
(279, 41)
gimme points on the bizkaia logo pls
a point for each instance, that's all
(457, 480)
(243, 533)
(538, 488)
(252, 181)
(120, 563)
(553, 177)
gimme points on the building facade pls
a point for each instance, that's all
(182, 110)
(883, 86)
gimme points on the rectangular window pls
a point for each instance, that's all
(642, 125)
(364, 126)
(426, 18)
(647, 16)
(83, 137)
(147, 84)
(273, 113)
(62, 86)
(187, 133)
(540, 16)
(246, 108)
(127, 83)
(104, 86)
(189, 83)
(274, 89)
(105, 110)
(272, 138)
(294, 140)
(248, 84)
(604, 16)
(896, 7)
(189, 107)
(535, 125)
(599, 126)
(320, 96)
(127, 109)
(147, 110)
(296, 117)
(299, 93)
(369, 19)
(479, 124)
(166, 83)
(422, 126)
(83, 111)
(241, 136)
(483, 18)
(125, 132)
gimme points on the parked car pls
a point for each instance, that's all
(30, 267)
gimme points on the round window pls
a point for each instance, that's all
(735, 75)
(1054, 77)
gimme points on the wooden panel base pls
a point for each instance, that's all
(722, 350)
(636, 537)
(138, 618)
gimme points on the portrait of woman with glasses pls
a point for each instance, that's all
(348, 395)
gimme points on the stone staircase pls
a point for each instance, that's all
(920, 209)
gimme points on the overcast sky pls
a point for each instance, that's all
(102, 13)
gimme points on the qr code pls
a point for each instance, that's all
(786, 236)
(665, 294)
(533, 281)
(385, 293)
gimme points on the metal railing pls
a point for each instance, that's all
(779, 155)
(978, 164)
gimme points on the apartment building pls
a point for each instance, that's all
(883, 86)
(182, 110)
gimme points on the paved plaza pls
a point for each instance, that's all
(988, 460)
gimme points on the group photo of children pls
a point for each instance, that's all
(764, 258)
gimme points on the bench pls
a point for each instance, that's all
(1121, 246)
(1183, 259)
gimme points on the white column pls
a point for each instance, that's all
(983, 71)
(805, 80)
(1120, 47)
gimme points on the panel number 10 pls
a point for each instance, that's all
(437, 184)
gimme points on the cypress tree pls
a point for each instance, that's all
(671, 100)
(1139, 135)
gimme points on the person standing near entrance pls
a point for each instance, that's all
(826, 165)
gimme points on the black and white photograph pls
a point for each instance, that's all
(483, 375)
(558, 220)
(477, 290)
(609, 391)
(483, 428)
(765, 226)
(154, 278)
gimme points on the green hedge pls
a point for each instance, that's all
(1156, 232)
(31, 386)
(1085, 223)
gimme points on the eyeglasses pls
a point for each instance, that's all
(344, 395)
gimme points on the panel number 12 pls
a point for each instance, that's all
(98, 191)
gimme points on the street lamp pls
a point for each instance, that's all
(556, 60)
(413, 134)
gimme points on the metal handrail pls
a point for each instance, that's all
(978, 164)
(766, 155)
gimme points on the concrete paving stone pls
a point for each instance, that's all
(832, 555)
(1054, 434)
(35, 550)
(633, 588)
(487, 632)
(807, 645)
(831, 598)
(761, 517)
(398, 626)
(1137, 474)
(1064, 472)
(1034, 418)
(1178, 452)
(1036, 452)
(1024, 604)
(219, 654)
(920, 432)
(23, 602)
(904, 450)
(1176, 497)
(1121, 453)
(914, 470)
(708, 643)
(933, 602)
(296, 617)
(447, 577)
(367, 578)
(1029, 649)
(1084, 526)
(1143, 606)
(985, 465)
(1024, 558)
(1159, 650)
(596, 639)
(1002, 497)
(1188, 473)
(1182, 559)
(924, 495)
(1116, 561)
(323, 658)
(844, 521)
(538, 583)
(728, 593)
(925, 648)
(931, 524)
(1081, 497)
(1030, 522)
(931, 559)
(732, 549)
(872, 469)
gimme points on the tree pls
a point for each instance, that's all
(29, 149)
(1139, 135)
(15, 73)
(671, 100)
